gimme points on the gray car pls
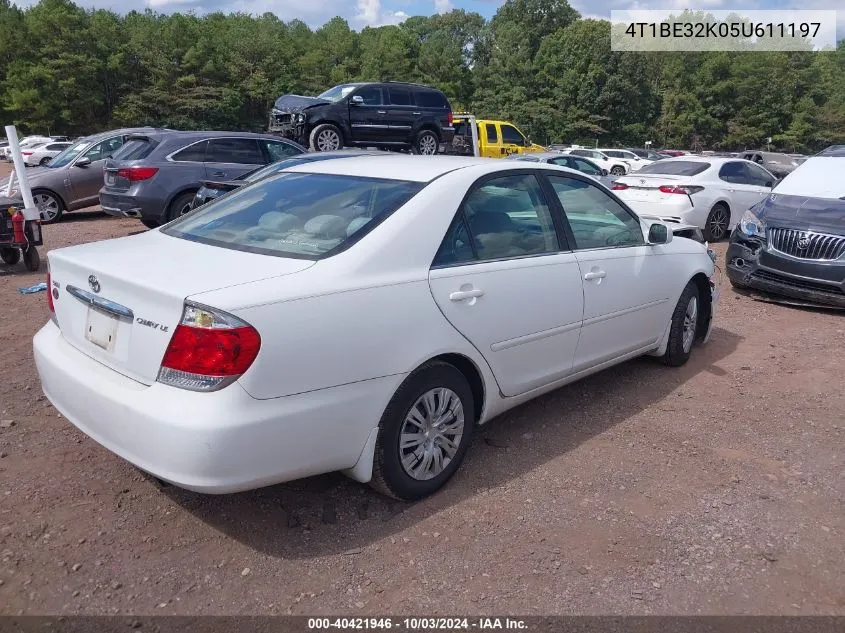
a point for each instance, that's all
(155, 176)
(73, 179)
(578, 163)
(781, 165)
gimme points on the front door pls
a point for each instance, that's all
(512, 139)
(368, 120)
(627, 286)
(87, 180)
(505, 279)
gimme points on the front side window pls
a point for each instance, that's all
(240, 151)
(68, 155)
(504, 217)
(511, 135)
(596, 219)
(300, 215)
(370, 94)
(757, 176)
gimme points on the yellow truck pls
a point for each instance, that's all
(491, 139)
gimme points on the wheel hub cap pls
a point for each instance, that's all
(431, 433)
(690, 322)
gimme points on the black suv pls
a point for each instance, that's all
(389, 115)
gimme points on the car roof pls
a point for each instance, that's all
(414, 168)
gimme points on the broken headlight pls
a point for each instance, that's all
(751, 225)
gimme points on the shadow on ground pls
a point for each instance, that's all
(331, 514)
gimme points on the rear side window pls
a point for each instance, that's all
(277, 150)
(676, 168)
(192, 154)
(430, 99)
(492, 135)
(134, 149)
(399, 96)
(734, 172)
(300, 215)
(240, 151)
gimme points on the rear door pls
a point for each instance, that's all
(402, 113)
(227, 158)
(368, 120)
(505, 278)
(740, 187)
(491, 144)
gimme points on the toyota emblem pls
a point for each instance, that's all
(94, 283)
(803, 241)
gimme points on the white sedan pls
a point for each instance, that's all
(359, 315)
(708, 192)
(42, 154)
(614, 166)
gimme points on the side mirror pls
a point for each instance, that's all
(604, 172)
(83, 162)
(357, 100)
(658, 234)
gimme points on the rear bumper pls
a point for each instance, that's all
(219, 442)
(127, 205)
(750, 265)
(678, 212)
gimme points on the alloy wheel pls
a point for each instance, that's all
(718, 223)
(428, 145)
(328, 141)
(690, 323)
(48, 206)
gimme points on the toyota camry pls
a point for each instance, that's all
(360, 315)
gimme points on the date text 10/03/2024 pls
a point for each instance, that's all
(417, 624)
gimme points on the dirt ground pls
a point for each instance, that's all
(714, 488)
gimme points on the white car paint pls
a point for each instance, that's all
(600, 158)
(634, 162)
(341, 334)
(45, 151)
(641, 191)
(25, 142)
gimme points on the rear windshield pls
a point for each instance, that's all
(306, 216)
(675, 168)
(781, 159)
(134, 149)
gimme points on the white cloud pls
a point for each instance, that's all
(443, 6)
(370, 13)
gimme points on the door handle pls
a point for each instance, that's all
(218, 174)
(381, 111)
(463, 295)
(597, 274)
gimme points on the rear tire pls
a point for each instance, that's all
(10, 256)
(180, 206)
(718, 221)
(618, 171)
(150, 224)
(326, 138)
(433, 414)
(44, 161)
(684, 328)
(426, 144)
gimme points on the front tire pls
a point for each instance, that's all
(684, 328)
(326, 138)
(718, 220)
(424, 433)
(426, 144)
(50, 206)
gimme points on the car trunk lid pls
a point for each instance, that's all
(646, 187)
(119, 301)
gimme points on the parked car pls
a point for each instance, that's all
(614, 166)
(496, 139)
(25, 142)
(72, 180)
(710, 193)
(792, 244)
(156, 176)
(673, 153)
(578, 163)
(388, 114)
(212, 189)
(361, 315)
(633, 160)
(43, 153)
(647, 154)
(778, 164)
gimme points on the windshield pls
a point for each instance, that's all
(675, 168)
(306, 216)
(337, 93)
(68, 155)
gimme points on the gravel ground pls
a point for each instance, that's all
(714, 488)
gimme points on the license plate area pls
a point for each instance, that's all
(110, 178)
(101, 329)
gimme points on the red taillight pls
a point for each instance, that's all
(450, 118)
(209, 349)
(684, 190)
(133, 174)
(50, 295)
(26, 153)
(619, 186)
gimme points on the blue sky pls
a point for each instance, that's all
(362, 13)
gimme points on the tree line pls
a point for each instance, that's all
(537, 63)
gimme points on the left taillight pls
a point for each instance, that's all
(450, 118)
(134, 174)
(619, 186)
(209, 350)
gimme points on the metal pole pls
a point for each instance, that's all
(473, 131)
(9, 185)
(30, 211)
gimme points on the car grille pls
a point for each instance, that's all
(806, 244)
(765, 275)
